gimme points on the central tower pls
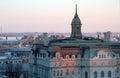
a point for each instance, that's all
(76, 26)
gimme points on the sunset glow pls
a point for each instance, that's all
(56, 15)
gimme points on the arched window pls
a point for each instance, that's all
(86, 74)
(109, 74)
(102, 74)
(95, 74)
(78, 56)
(67, 56)
(73, 56)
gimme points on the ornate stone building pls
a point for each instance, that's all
(75, 57)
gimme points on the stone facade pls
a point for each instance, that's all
(74, 57)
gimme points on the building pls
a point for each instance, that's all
(14, 62)
(75, 57)
(39, 61)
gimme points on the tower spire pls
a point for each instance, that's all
(76, 9)
(76, 15)
(76, 26)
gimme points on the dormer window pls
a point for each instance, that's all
(79, 56)
(57, 55)
(73, 56)
(102, 56)
(67, 56)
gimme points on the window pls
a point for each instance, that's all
(104, 56)
(102, 74)
(78, 71)
(57, 72)
(61, 72)
(54, 72)
(109, 74)
(86, 74)
(72, 72)
(73, 56)
(67, 72)
(67, 56)
(57, 55)
(95, 74)
(117, 70)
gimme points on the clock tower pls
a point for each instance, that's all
(76, 26)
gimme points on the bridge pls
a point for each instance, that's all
(16, 35)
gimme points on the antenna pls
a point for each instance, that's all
(1, 29)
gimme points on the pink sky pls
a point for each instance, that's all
(56, 16)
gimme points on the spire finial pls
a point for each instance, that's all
(76, 8)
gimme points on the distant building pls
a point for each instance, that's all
(45, 39)
(109, 36)
(14, 62)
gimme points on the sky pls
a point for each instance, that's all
(56, 15)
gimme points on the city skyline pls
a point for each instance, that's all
(56, 15)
